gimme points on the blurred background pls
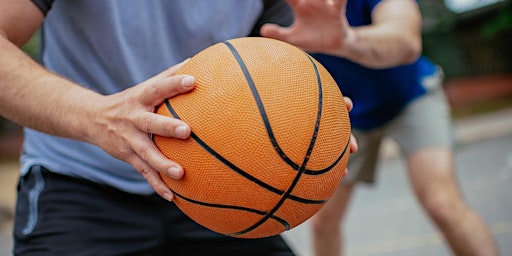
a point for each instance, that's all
(472, 41)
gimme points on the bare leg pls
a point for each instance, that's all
(326, 224)
(433, 180)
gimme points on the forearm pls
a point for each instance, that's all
(381, 46)
(393, 38)
(34, 97)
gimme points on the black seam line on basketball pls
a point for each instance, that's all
(264, 116)
(233, 207)
(237, 169)
(259, 103)
(302, 168)
(321, 171)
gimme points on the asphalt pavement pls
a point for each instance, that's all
(385, 219)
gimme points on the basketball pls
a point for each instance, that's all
(270, 138)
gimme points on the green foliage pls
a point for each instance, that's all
(32, 46)
(501, 22)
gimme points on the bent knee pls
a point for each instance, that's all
(442, 208)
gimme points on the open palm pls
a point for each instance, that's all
(319, 26)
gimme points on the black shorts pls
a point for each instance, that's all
(61, 215)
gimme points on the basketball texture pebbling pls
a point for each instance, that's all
(270, 138)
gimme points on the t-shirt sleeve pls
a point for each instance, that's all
(276, 12)
(43, 5)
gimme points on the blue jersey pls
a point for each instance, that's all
(379, 95)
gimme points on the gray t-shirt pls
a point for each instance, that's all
(109, 46)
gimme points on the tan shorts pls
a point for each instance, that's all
(425, 122)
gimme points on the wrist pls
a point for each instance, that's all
(347, 47)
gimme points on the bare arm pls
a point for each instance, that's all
(24, 98)
(393, 38)
(119, 123)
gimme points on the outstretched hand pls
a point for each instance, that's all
(319, 26)
(125, 120)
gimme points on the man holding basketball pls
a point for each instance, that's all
(89, 169)
(373, 49)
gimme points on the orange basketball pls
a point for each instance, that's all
(270, 138)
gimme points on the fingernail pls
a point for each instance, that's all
(174, 172)
(187, 81)
(167, 196)
(181, 132)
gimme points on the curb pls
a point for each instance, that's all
(486, 126)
